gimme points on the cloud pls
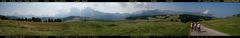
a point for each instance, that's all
(60, 9)
(53, 9)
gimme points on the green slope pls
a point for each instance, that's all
(9, 27)
(230, 25)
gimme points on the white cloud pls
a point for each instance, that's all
(114, 7)
(52, 9)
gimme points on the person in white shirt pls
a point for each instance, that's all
(195, 26)
(192, 26)
(198, 27)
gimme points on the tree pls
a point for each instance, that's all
(50, 20)
(28, 19)
(57, 20)
(4, 17)
(36, 19)
(25, 19)
(46, 20)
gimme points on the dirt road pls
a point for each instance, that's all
(208, 32)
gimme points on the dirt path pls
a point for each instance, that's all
(208, 32)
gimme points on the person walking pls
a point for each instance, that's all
(195, 26)
(198, 27)
(192, 26)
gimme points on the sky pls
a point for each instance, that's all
(54, 9)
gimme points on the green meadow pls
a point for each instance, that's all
(98, 28)
(230, 25)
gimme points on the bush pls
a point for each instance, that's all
(111, 25)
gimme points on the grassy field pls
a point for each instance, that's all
(122, 28)
(230, 25)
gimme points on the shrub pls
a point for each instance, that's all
(111, 25)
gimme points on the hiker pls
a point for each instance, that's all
(198, 27)
(192, 26)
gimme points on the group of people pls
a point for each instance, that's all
(195, 26)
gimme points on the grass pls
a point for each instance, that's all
(229, 25)
(122, 28)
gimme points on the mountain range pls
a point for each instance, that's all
(89, 13)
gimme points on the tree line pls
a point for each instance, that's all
(193, 18)
(32, 19)
(35, 19)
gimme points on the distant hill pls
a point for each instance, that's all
(172, 17)
(157, 12)
(8, 17)
(238, 15)
(166, 12)
(89, 12)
